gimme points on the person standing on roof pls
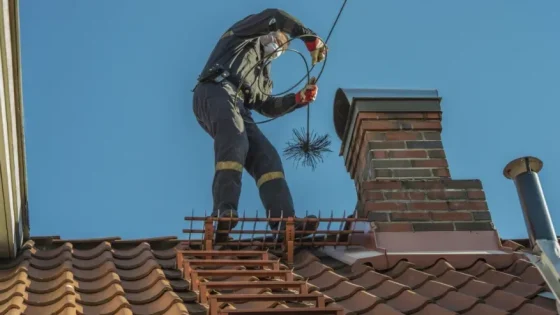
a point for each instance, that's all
(230, 86)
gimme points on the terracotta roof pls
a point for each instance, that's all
(112, 276)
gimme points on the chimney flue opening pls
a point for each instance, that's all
(524, 172)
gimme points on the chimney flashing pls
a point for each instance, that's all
(348, 103)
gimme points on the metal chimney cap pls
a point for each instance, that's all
(522, 165)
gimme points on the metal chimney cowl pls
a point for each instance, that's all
(544, 242)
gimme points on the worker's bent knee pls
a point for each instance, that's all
(231, 149)
(270, 176)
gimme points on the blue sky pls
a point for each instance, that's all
(113, 147)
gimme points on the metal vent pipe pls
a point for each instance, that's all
(544, 242)
(524, 172)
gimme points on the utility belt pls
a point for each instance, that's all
(220, 75)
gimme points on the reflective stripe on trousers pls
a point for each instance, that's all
(268, 177)
(237, 146)
(229, 165)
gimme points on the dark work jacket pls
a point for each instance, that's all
(239, 49)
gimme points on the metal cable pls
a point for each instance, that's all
(307, 75)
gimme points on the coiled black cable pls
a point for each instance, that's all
(266, 59)
(306, 76)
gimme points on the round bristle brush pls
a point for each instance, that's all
(307, 148)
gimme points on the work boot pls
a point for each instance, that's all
(225, 225)
(306, 226)
(300, 226)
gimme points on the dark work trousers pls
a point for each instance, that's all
(240, 145)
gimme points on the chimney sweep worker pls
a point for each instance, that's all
(229, 87)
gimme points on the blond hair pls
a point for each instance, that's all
(282, 39)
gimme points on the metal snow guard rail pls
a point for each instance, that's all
(286, 239)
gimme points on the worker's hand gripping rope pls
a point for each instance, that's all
(308, 94)
(318, 50)
(307, 147)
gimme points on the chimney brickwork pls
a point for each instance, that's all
(393, 150)
(425, 205)
(398, 146)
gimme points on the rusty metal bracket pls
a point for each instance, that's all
(289, 241)
(300, 286)
(251, 236)
(214, 294)
(318, 299)
(208, 233)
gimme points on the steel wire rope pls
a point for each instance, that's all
(307, 75)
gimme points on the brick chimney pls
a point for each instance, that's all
(392, 148)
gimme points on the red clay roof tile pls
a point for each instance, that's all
(142, 284)
(149, 295)
(131, 253)
(58, 305)
(14, 305)
(303, 258)
(168, 302)
(434, 309)
(117, 305)
(388, 289)
(314, 270)
(139, 272)
(479, 268)
(497, 278)
(533, 309)
(108, 276)
(359, 303)
(455, 278)
(101, 297)
(327, 280)
(513, 245)
(382, 309)
(330, 262)
(434, 290)
(400, 268)
(354, 272)
(518, 267)
(526, 290)
(342, 291)
(439, 268)
(544, 302)
(53, 253)
(478, 289)
(408, 302)
(370, 279)
(505, 301)
(17, 290)
(84, 275)
(457, 301)
(485, 309)
(414, 278)
(17, 279)
(532, 275)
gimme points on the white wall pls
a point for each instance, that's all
(13, 185)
